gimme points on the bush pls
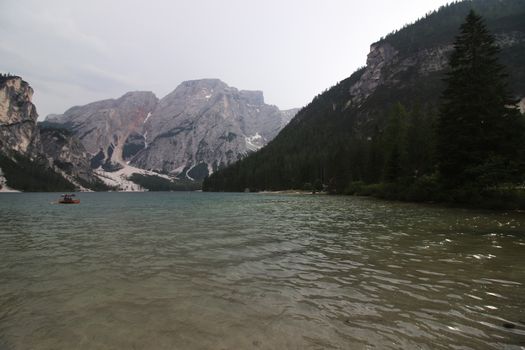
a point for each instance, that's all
(503, 198)
(424, 189)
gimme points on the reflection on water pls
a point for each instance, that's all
(254, 271)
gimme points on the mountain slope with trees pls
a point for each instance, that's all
(480, 132)
(375, 132)
(34, 158)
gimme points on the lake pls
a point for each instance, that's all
(257, 271)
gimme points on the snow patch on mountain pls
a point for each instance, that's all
(187, 173)
(254, 142)
(120, 178)
(147, 117)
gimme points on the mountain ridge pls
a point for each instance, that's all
(202, 123)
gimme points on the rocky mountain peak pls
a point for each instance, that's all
(211, 88)
(204, 124)
(203, 83)
(138, 97)
(253, 97)
(199, 88)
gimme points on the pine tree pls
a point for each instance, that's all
(478, 130)
(394, 143)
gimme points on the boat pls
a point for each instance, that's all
(68, 199)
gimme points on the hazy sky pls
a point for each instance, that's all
(76, 52)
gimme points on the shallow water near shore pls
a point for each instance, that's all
(257, 271)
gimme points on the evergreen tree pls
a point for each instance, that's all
(420, 143)
(394, 143)
(477, 140)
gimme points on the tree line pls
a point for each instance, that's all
(466, 147)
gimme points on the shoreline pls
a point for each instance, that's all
(296, 192)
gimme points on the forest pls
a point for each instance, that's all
(29, 175)
(454, 136)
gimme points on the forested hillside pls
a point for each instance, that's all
(379, 126)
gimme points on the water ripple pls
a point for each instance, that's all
(228, 271)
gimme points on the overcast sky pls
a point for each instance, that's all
(76, 52)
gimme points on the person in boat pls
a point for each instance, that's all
(68, 198)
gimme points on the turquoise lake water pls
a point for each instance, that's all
(257, 271)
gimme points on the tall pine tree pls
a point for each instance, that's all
(479, 130)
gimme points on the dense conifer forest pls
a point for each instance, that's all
(452, 136)
(29, 175)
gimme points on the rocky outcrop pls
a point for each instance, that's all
(385, 66)
(205, 124)
(17, 117)
(509, 39)
(380, 56)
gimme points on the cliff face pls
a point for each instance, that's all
(204, 124)
(17, 117)
(379, 57)
(67, 153)
(388, 67)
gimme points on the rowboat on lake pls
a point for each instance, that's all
(68, 199)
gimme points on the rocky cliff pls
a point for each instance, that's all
(65, 152)
(387, 67)
(205, 124)
(17, 117)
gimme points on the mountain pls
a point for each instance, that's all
(205, 124)
(126, 143)
(377, 125)
(32, 159)
(199, 127)
(104, 126)
(65, 152)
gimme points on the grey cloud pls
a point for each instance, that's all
(292, 50)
